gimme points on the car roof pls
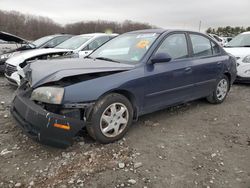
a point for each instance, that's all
(57, 35)
(158, 31)
(98, 34)
(161, 31)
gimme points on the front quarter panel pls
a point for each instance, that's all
(92, 90)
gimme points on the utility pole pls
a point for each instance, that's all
(200, 26)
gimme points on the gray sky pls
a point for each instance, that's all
(184, 14)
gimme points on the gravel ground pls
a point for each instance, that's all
(193, 145)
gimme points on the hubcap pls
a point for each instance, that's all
(114, 120)
(222, 89)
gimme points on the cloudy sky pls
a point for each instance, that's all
(184, 14)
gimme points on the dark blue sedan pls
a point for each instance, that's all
(133, 74)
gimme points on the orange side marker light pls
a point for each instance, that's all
(61, 126)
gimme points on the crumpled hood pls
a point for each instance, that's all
(11, 38)
(45, 71)
(238, 52)
(21, 57)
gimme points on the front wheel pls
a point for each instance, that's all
(111, 117)
(220, 91)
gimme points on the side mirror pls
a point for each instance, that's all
(161, 58)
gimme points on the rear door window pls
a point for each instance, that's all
(201, 46)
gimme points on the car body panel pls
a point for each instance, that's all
(42, 72)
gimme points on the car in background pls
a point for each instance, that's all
(228, 39)
(8, 43)
(45, 42)
(50, 41)
(133, 74)
(239, 46)
(83, 45)
(75, 47)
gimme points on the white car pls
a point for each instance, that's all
(77, 46)
(239, 46)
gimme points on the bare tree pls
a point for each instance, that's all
(32, 27)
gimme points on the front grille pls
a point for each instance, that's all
(10, 69)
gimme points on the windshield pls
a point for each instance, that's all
(41, 41)
(74, 42)
(242, 40)
(128, 48)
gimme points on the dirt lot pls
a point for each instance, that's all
(194, 145)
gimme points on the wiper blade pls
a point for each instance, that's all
(88, 57)
(107, 59)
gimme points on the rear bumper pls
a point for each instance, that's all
(39, 123)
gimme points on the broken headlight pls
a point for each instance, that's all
(51, 95)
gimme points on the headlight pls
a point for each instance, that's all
(51, 95)
(246, 59)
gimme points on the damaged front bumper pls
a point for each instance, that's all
(48, 128)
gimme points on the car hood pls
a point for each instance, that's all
(238, 52)
(11, 38)
(44, 71)
(21, 57)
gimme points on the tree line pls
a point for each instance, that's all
(227, 31)
(32, 27)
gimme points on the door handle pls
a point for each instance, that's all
(188, 69)
(219, 63)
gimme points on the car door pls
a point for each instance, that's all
(169, 82)
(207, 64)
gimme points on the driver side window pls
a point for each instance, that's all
(175, 45)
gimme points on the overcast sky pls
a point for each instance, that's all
(184, 14)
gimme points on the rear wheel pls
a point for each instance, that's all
(111, 118)
(220, 91)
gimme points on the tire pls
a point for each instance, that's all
(110, 119)
(220, 91)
